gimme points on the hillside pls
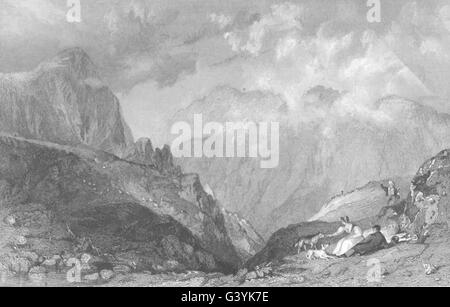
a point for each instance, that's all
(73, 182)
(427, 216)
(130, 213)
(320, 157)
(360, 203)
(403, 264)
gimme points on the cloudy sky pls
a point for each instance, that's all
(160, 55)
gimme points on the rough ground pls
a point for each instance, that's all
(400, 266)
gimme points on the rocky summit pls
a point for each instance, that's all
(64, 101)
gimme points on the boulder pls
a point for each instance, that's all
(32, 256)
(107, 274)
(20, 241)
(19, 265)
(10, 220)
(92, 277)
(37, 274)
(121, 269)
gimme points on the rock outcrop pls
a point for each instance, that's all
(64, 101)
(142, 152)
(245, 238)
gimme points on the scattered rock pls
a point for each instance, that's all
(5, 272)
(251, 275)
(171, 265)
(92, 277)
(53, 261)
(106, 274)
(122, 269)
(19, 265)
(430, 269)
(10, 220)
(241, 273)
(21, 241)
(85, 258)
(37, 274)
(32, 256)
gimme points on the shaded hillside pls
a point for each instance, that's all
(59, 195)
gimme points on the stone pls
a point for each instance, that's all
(121, 269)
(260, 273)
(49, 262)
(92, 277)
(251, 275)
(171, 265)
(10, 220)
(85, 258)
(32, 256)
(107, 274)
(19, 265)
(37, 274)
(241, 273)
(21, 241)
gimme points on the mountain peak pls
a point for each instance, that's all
(73, 52)
(76, 60)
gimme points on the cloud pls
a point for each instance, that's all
(42, 10)
(283, 17)
(160, 55)
(221, 20)
(444, 15)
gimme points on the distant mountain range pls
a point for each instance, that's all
(324, 150)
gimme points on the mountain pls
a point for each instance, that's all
(60, 197)
(330, 145)
(73, 181)
(427, 216)
(63, 101)
(421, 262)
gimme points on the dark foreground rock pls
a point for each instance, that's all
(57, 200)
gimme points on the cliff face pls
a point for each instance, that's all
(428, 207)
(318, 158)
(245, 238)
(63, 101)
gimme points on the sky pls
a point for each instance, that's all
(158, 56)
